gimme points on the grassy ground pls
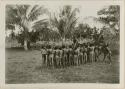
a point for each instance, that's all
(25, 67)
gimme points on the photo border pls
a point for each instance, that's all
(62, 85)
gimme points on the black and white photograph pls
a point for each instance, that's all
(62, 43)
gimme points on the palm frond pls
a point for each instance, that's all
(36, 12)
(39, 25)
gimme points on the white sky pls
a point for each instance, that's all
(85, 10)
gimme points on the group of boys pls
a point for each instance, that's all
(64, 56)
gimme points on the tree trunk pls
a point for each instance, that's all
(25, 45)
(28, 45)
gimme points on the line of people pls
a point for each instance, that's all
(64, 56)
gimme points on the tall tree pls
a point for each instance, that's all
(65, 21)
(26, 17)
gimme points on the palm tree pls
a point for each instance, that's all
(26, 16)
(65, 21)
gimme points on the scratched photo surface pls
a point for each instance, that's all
(62, 44)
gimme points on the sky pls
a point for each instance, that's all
(85, 10)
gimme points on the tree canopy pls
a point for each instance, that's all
(111, 16)
(25, 16)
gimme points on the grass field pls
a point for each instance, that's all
(25, 67)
